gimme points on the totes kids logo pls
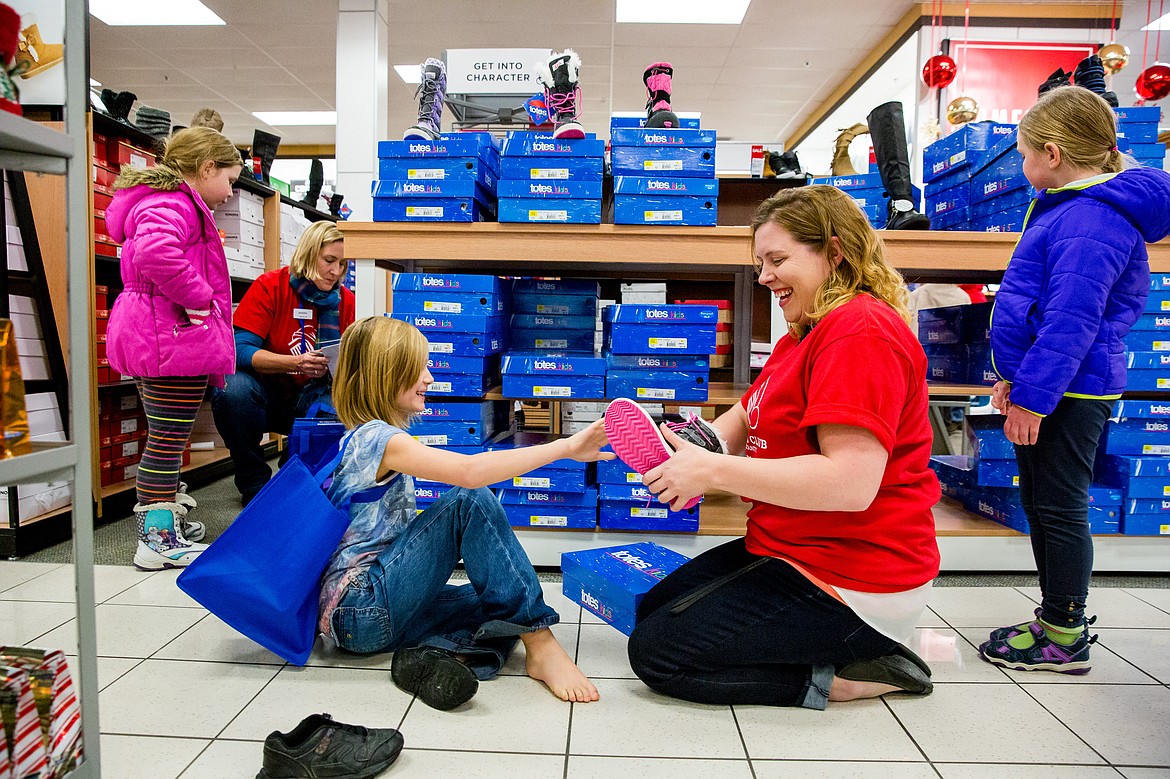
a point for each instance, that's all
(546, 365)
(541, 189)
(1157, 427)
(658, 138)
(427, 148)
(657, 313)
(539, 497)
(545, 146)
(591, 602)
(1160, 409)
(650, 362)
(415, 188)
(655, 184)
(638, 563)
(434, 281)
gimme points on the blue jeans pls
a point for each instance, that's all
(248, 406)
(404, 600)
(1055, 473)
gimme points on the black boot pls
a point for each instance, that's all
(789, 166)
(264, 146)
(887, 130)
(335, 201)
(121, 103)
(316, 181)
(1058, 79)
(1090, 74)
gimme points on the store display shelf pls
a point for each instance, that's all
(111, 127)
(315, 214)
(200, 459)
(29, 145)
(254, 186)
(721, 393)
(956, 390)
(24, 523)
(46, 462)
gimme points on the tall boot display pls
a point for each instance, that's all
(264, 146)
(887, 129)
(842, 165)
(316, 181)
(431, 92)
(658, 91)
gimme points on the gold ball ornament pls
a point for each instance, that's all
(1114, 57)
(962, 110)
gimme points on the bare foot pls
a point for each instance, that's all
(547, 662)
(848, 690)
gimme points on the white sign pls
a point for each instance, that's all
(494, 71)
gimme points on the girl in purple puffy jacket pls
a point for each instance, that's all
(170, 328)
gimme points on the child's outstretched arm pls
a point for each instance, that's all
(406, 455)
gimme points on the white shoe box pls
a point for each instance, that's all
(16, 258)
(242, 207)
(238, 233)
(644, 286)
(37, 499)
(644, 298)
(44, 415)
(26, 325)
(570, 428)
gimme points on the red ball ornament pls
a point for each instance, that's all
(1154, 82)
(939, 71)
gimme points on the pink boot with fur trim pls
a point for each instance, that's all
(658, 90)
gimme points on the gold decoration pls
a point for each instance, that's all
(1114, 57)
(962, 110)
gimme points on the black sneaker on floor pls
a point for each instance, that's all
(321, 748)
(435, 675)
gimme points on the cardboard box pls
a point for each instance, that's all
(552, 386)
(471, 144)
(612, 581)
(481, 170)
(462, 283)
(986, 437)
(654, 210)
(461, 385)
(400, 209)
(962, 148)
(557, 305)
(554, 189)
(559, 516)
(525, 340)
(530, 144)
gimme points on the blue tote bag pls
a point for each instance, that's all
(262, 575)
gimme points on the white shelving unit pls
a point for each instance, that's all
(28, 146)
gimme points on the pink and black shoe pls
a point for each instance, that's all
(562, 93)
(659, 86)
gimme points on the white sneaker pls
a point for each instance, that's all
(161, 542)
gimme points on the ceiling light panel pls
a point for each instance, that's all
(681, 11)
(296, 118)
(151, 13)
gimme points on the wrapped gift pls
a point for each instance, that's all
(22, 729)
(57, 707)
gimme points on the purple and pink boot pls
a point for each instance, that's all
(658, 90)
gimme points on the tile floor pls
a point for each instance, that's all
(182, 695)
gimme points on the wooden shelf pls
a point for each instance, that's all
(315, 214)
(956, 390)
(199, 459)
(721, 393)
(255, 187)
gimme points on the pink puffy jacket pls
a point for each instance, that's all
(172, 259)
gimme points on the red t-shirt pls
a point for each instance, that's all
(267, 311)
(859, 366)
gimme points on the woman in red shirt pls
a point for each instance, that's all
(817, 601)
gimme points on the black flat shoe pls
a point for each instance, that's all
(895, 670)
(435, 675)
(904, 651)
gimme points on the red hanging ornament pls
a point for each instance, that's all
(939, 71)
(1154, 82)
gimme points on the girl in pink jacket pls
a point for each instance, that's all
(171, 327)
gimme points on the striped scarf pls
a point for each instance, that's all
(328, 306)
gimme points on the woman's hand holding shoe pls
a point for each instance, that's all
(684, 476)
(312, 364)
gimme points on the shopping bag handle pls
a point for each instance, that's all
(371, 495)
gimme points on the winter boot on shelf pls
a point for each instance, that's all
(771, 162)
(316, 181)
(335, 201)
(842, 165)
(161, 543)
(431, 92)
(264, 146)
(33, 55)
(787, 165)
(192, 530)
(887, 130)
(9, 39)
(658, 89)
(562, 94)
(1090, 74)
(1059, 78)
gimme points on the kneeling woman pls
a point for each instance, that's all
(816, 602)
(284, 318)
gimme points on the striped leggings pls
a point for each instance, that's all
(171, 404)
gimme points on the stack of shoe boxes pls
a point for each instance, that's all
(664, 331)
(1137, 134)
(241, 220)
(553, 375)
(1148, 343)
(553, 180)
(452, 179)
(957, 342)
(554, 315)
(1134, 457)
(721, 358)
(293, 224)
(625, 504)
(458, 426)
(664, 176)
(1000, 193)
(462, 316)
(948, 164)
(558, 495)
(867, 191)
(611, 582)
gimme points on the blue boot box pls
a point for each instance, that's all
(1136, 477)
(460, 385)
(1152, 380)
(687, 363)
(558, 516)
(395, 209)
(553, 385)
(660, 136)
(950, 201)
(1147, 341)
(557, 305)
(617, 471)
(427, 492)
(1148, 152)
(666, 186)
(541, 340)
(652, 517)
(552, 322)
(857, 181)
(1145, 524)
(549, 189)
(1159, 281)
(461, 283)
(1140, 409)
(552, 168)
(530, 144)
(647, 210)
(959, 219)
(962, 148)
(553, 211)
(658, 385)
(481, 413)
(440, 302)
(988, 503)
(555, 287)
(684, 162)
(636, 338)
(477, 169)
(521, 439)
(611, 582)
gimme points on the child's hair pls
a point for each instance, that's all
(186, 152)
(1078, 121)
(208, 117)
(814, 214)
(313, 240)
(380, 359)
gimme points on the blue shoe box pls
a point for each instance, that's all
(658, 385)
(558, 516)
(462, 283)
(665, 186)
(1136, 437)
(854, 182)
(551, 168)
(530, 144)
(955, 220)
(658, 137)
(518, 497)
(640, 339)
(678, 314)
(1158, 302)
(484, 172)
(451, 433)
(461, 385)
(480, 413)
(996, 473)
(546, 287)
(1140, 409)
(611, 582)
(427, 492)
(546, 478)
(553, 189)
(979, 368)
(946, 363)
(482, 304)
(557, 386)
(1133, 524)
(953, 200)
(432, 210)
(1148, 152)
(1138, 132)
(687, 363)
(542, 340)
(874, 214)
(1139, 114)
(987, 502)
(1010, 221)
(555, 305)
(473, 144)
(650, 210)
(1136, 477)
(956, 475)
(453, 323)
(465, 344)
(1005, 200)
(680, 161)
(986, 437)
(1155, 321)
(1159, 281)
(548, 210)
(546, 363)
(1147, 371)
(448, 189)
(617, 471)
(522, 439)
(962, 148)
(1147, 341)
(622, 120)
(968, 324)
(654, 517)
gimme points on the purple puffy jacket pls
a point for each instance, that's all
(172, 259)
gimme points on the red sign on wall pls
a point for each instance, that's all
(1002, 77)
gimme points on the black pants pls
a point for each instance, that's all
(1055, 473)
(731, 627)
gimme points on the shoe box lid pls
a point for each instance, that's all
(699, 363)
(534, 497)
(468, 411)
(450, 145)
(1137, 132)
(444, 188)
(556, 287)
(553, 363)
(656, 517)
(530, 144)
(1004, 200)
(549, 188)
(553, 386)
(856, 181)
(559, 515)
(669, 314)
(672, 161)
(450, 282)
(661, 136)
(665, 186)
(617, 576)
(963, 148)
(1138, 114)
(440, 169)
(656, 210)
(546, 210)
(687, 120)
(455, 323)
